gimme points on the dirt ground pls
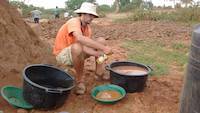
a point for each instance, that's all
(161, 94)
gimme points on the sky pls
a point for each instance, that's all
(61, 3)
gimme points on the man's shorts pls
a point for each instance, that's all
(65, 56)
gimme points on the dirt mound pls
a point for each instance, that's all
(50, 28)
(19, 46)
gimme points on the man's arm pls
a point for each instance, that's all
(91, 43)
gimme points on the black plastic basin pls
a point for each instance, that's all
(131, 83)
(46, 86)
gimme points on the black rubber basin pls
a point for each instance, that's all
(46, 86)
(131, 83)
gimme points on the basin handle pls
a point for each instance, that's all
(150, 67)
(53, 90)
(107, 67)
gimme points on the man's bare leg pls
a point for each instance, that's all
(78, 56)
(78, 62)
(99, 67)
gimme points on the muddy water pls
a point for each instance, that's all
(130, 70)
(108, 95)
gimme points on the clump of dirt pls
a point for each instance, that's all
(50, 28)
(19, 46)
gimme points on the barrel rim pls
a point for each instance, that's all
(132, 62)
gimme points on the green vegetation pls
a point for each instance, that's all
(179, 15)
(26, 9)
(140, 9)
(72, 5)
(126, 5)
(180, 47)
(103, 9)
(157, 55)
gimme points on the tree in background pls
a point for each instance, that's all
(125, 5)
(92, 1)
(174, 2)
(72, 5)
(136, 3)
(186, 2)
(117, 5)
(25, 8)
(147, 5)
(124, 2)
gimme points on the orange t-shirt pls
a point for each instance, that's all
(64, 36)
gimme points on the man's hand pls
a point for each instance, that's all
(107, 50)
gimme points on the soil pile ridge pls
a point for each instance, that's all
(19, 46)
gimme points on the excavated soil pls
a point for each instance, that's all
(20, 47)
(25, 43)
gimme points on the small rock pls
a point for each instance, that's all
(22, 111)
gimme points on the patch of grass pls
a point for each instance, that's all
(122, 20)
(156, 54)
(186, 15)
(180, 46)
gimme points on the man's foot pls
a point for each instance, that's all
(80, 89)
(106, 76)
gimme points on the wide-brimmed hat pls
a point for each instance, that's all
(88, 8)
